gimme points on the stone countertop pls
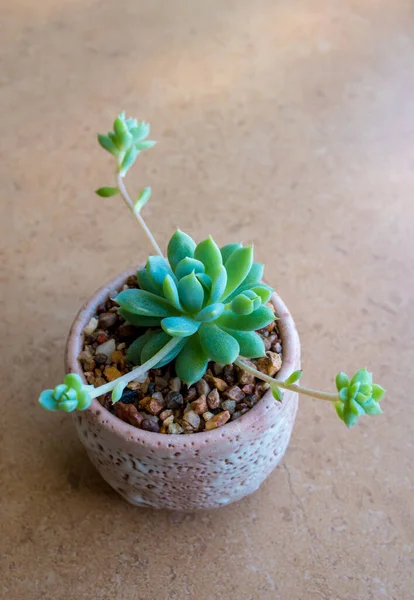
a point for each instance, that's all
(286, 124)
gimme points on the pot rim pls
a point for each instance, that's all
(106, 420)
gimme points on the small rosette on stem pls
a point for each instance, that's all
(357, 397)
(70, 395)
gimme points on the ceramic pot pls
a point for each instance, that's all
(188, 471)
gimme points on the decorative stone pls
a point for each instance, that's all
(111, 373)
(234, 393)
(174, 400)
(199, 406)
(116, 356)
(218, 420)
(270, 364)
(229, 405)
(213, 399)
(91, 326)
(150, 425)
(192, 418)
(106, 348)
(175, 384)
(202, 387)
(175, 429)
(165, 414)
(107, 320)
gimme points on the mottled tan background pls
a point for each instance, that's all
(286, 123)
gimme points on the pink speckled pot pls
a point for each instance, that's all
(190, 471)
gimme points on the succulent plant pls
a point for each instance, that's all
(212, 299)
(70, 395)
(203, 303)
(357, 397)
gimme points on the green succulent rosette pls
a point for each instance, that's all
(70, 395)
(357, 397)
(211, 298)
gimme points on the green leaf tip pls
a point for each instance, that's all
(72, 395)
(357, 397)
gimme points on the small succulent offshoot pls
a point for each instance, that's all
(202, 303)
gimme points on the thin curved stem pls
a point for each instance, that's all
(127, 199)
(138, 371)
(294, 387)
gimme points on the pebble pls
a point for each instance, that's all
(168, 420)
(236, 415)
(248, 389)
(216, 382)
(121, 346)
(107, 320)
(192, 418)
(126, 331)
(116, 356)
(160, 383)
(128, 413)
(91, 326)
(154, 406)
(213, 399)
(207, 415)
(175, 384)
(101, 338)
(150, 425)
(218, 420)
(218, 368)
(244, 377)
(202, 387)
(165, 414)
(191, 394)
(235, 393)
(100, 358)
(106, 348)
(129, 396)
(228, 374)
(88, 363)
(111, 373)
(270, 364)
(229, 405)
(278, 348)
(200, 405)
(174, 400)
(175, 428)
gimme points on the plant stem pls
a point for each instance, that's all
(294, 387)
(138, 371)
(127, 199)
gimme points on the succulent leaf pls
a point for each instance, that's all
(192, 362)
(228, 249)
(210, 312)
(209, 254)
(191, 293)
(217, 344)
(171, 292)
(139, 320)
(251, 344)
(155, 343)
(256, 320)
(237, 266)
(157, 270)
(135, 350)
(180, 246)
(187, 266)
(179, 326)
(145, 283)
(144, 303)
(218, 285)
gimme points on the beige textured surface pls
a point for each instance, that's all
(288, 123)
